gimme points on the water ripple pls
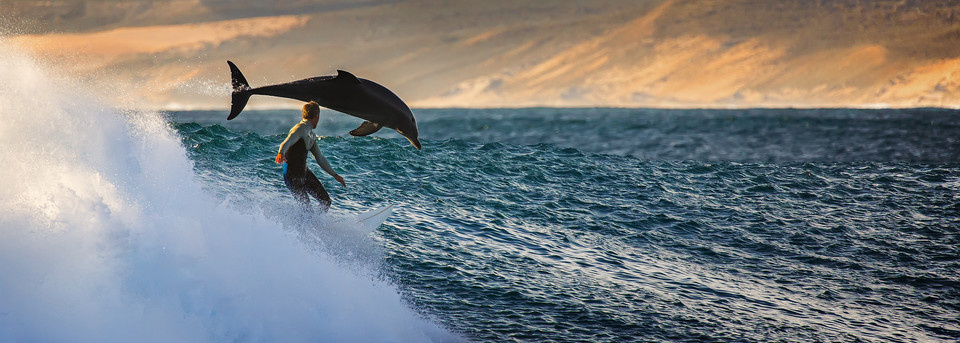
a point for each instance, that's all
(508, 240)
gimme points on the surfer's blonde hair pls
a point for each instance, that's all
(311, 110)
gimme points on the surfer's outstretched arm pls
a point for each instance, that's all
(286, 145)
(325, 165)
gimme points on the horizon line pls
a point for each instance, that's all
(732, 107)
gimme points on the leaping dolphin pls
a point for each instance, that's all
(346, 93)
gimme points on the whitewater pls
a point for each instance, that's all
(106, 236)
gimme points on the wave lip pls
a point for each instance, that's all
(107, 237)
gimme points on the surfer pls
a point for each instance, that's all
(293, 154)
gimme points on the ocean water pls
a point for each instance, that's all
(526, 225)
(586, 225)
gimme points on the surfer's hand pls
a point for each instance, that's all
(280, 158)
(340, 179)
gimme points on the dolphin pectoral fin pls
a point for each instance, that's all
(366, 128)
(345, 76)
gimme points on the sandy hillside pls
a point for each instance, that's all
(674, 53)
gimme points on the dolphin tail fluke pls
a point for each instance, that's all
(241, 91)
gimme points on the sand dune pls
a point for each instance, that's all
(100, 49)
(676, 53)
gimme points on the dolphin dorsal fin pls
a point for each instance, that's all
(343, 75)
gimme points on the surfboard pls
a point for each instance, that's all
(371, 219)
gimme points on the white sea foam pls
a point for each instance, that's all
(106, 237)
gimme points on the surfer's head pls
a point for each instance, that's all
(311, 110)
(311, 113)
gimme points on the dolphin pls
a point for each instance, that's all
(344, 92)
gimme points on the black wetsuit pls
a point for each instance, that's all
(300, 180)
(296, 175)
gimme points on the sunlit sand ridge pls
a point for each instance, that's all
(675, 53)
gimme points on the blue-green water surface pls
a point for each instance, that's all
(621, 225)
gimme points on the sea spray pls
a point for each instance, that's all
(106, 237)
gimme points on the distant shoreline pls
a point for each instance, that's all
(292, 108)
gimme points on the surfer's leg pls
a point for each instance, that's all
(298, 188)
(313, 186)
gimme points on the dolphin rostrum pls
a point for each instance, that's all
(346, 93)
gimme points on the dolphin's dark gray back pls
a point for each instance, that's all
(302, 90)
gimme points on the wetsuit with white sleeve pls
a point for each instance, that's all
(298, 178)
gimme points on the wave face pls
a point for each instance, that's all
(575, 225)
(106, 236)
